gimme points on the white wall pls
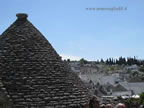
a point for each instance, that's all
(121, 93)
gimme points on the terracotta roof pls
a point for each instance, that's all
(33, 73)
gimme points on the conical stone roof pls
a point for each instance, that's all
(33, 73)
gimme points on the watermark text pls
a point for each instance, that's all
(107, 9)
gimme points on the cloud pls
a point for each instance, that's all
(65, 57)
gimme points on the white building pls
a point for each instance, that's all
(137, 87)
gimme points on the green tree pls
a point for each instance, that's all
(141, 69)
(141, 99)
(83, 61)
(102, 61)
(68, 60)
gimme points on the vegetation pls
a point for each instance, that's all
(141, 68)
(119, 61)
(141, 99)
(130, 102)
(83, 61)
(124, 61)
(135, 101)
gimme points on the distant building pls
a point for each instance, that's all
(119, 90)
(135, 87)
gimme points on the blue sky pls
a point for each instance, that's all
(76, 32)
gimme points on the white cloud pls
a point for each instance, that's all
(65, 57)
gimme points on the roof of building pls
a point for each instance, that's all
(33, 73)
(119, 88)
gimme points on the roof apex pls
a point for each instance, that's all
(22, 15)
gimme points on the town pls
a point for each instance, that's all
(110, 81)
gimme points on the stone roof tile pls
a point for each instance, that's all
(33, 73)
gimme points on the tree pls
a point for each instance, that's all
(141, 98)
(83, 61)
(141, 69)
(68, 60)
(102, 61)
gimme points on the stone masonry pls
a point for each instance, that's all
(33, 74)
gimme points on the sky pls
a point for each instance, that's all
(89, 29)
